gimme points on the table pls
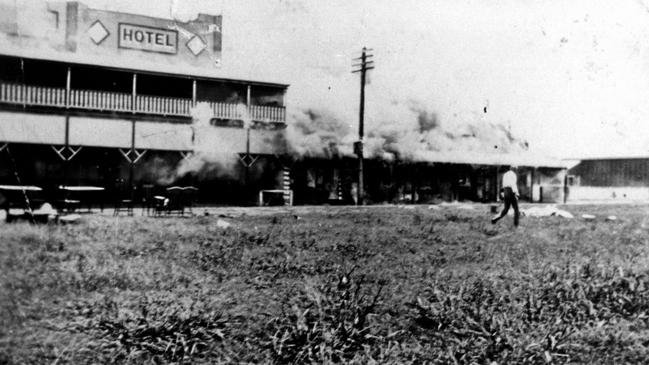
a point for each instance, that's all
(81, 188)
(79, 193)
(15, 201)
(20, 188)
(276, 191)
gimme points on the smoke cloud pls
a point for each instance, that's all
(208, 158)
(318, 133)
(399, 130)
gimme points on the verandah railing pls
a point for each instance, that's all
(23, 94)
(163, 105)
(100, 100)
(19, 94)
(267, 113)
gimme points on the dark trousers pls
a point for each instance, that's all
(510, 200)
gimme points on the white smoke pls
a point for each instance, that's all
(208, 158)
(404, 130)
(318, 133)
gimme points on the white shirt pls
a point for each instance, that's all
(509, 181)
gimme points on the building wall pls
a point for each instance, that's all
(96, 131)
(611, 193)
(32, 128)
(612, 172)
(610, 180)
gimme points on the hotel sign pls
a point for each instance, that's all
(148, 39)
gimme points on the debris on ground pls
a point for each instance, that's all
(69, 218)
(547, 211)
(564, 214)
(611, 218)
(45, 209)
(588, 217)
(220, 223)
(434, 207)
(457, 205)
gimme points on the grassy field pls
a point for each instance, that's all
(386, 285)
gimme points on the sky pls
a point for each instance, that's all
(571, 77)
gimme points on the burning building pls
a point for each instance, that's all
(130, 103)
(412, 157)
(437, 179)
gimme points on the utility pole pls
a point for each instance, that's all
(365, 65)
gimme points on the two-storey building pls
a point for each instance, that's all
(93, 97)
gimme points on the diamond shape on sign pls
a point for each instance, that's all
(98, 32)
(196, 45)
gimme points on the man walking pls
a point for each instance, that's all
(510, 195)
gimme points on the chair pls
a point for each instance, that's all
(123, 199)
(159, 205)
(177, 200)
(148, 201)
(188, 196)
